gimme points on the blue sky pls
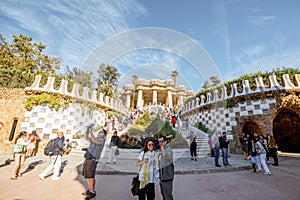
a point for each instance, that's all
(199, 38)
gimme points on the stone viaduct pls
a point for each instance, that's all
(273, 109)
(72, 119)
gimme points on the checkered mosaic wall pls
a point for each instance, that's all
(71, 120)
(222, 118)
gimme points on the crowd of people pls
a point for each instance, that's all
(155, 161)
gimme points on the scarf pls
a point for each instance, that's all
(145, 169)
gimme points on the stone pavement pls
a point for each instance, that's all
(194, 179)
(126, 163)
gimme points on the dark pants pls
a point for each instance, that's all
(193, 149)
(148, 191)
(217, 155)
(273, 154)
(254, 167)
(166, 189)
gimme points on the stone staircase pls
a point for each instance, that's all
(202, 145)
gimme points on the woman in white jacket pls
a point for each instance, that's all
(261, 158)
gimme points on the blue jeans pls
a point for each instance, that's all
(217, 155)
(225, 155)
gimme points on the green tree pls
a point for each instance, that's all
(206, 84)
(79, 76)
(21, 60)
(215, 80)
(107, 81)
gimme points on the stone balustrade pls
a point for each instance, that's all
(210, 98)
(110, 103)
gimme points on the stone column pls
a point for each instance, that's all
(170, 101)
(154, 98)
(128, 100)
(180, 100)
(140, 99)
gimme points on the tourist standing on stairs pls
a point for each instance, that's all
(224, 148)
(216, 145)
(114, 145)
(193, 145)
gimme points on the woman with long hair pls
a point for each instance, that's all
(20, 156)
(148, 171)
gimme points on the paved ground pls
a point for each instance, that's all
(194, 180)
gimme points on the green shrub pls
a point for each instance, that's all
(178, 142)
(136, 130)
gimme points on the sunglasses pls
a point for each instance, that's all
(150, 145)
(160, 142)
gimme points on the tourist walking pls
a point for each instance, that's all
(20, 154)
(55, 159)
(261, 157)
(216, 145)
(114, 147)
(224, 148)
(166, 168)
(31, 148)
(92, 156)
(147, 162)
(253, 154)
(273, 149)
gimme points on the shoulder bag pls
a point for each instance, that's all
(18, 148)
(135, 184)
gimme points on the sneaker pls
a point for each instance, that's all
(218, 165)
(86, 192)
(90, 196)
(54, 178)
(42, 177)
(275, 164)
(19, 175)
(267, 173)
(13, 178)
(195, 159)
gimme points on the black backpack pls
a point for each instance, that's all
(50, 148)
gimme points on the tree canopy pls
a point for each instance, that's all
(107, 80)
(22, 59)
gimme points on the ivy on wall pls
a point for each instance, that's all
(39, 99)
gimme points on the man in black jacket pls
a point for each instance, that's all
(166, 168)
(114, 147)
(224, 147)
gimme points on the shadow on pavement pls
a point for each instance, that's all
(32, 165)
(6, 162)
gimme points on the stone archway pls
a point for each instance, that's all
(286, 130)
(250, 127)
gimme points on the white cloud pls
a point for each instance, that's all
(257, 20)
(264, 57)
